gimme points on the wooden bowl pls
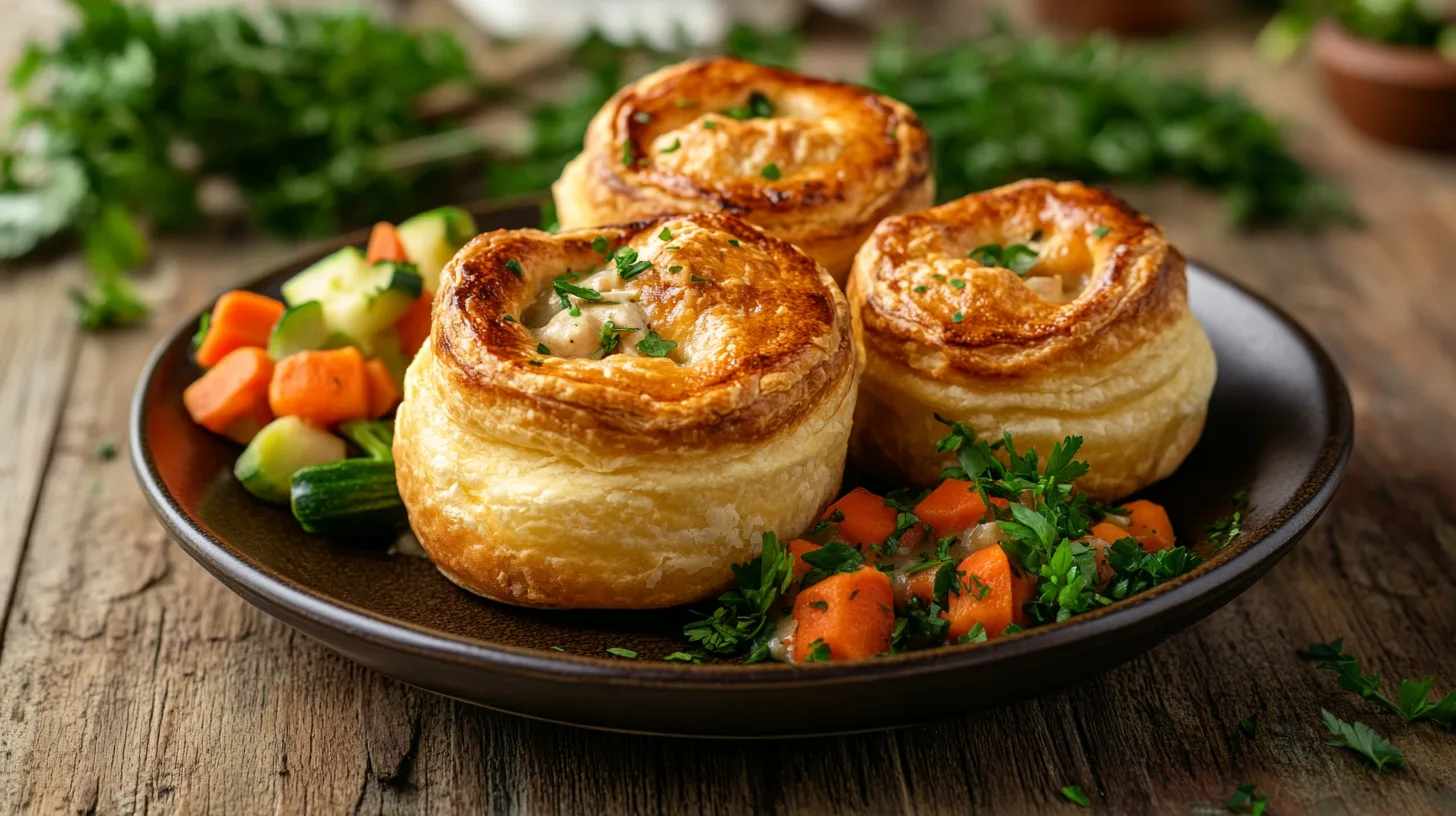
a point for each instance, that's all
(1405, 96)
(1128, 18)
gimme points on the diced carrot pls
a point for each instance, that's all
(1099, 548)
(867, 520)
(323, 387)
(239, 319)
(921, 584)
(1150, 525)
(954, 506)
(384, 244)
(382, 393)
(852, 613)
(232, 394)
(413, 327)
(987, 572)
(1109, 532)
(798, 547)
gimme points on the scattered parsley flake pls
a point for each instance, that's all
(1245, 800)
(920, 290)
(106, 451)
(599, 244)
(629, 154)
(675, 268)
(957, 317)
(610, 335)
(733, 242)
(1363, 740)
(1224, 529)
(957, 283)
(684, 657)
(1101, 232)
(542, 349)
(818, 652)
(618, 651)
(683, 103)
(672, 148)
(654, 345)
(1248, 725)
(665, 235)
(628, 264)
(535, 362)
(1076, 796)
(822, 606)
(563, 288)
(709, 124)
(508, 319)
(1019, 258)
(202, 327)
(976, 634)
(771, 172)
(515, 267)
(557, 649)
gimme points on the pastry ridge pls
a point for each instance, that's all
(845, 157)
(1122, 363)
(627, 481)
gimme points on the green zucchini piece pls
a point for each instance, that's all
(374, 437)
(432, 238)
(283, 446)
(335, 273)
(359, 300)
(301, 328)
(351, 499)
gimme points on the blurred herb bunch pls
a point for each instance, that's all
(1424, 24)
(128, 121)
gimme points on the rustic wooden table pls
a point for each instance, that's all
(131, 681)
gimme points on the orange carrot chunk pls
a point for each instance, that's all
(866, 518)
(384, 245)
(382, 393)
(323, 387)
(413, 327)
(849, 614)
(1150, 525)
(989, 597)
(1111, 533)
(799, 548)
(231, 398)
(238, 319)
(954, 506)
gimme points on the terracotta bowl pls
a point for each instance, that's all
(1131, 18)
(1405, 96)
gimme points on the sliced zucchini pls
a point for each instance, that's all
(301, 328)
(432, 238)
(373, 436)
(282, 447)
(359, 300)
(352, 499)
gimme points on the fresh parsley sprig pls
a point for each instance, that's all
(1363, 740)
(742, 617)
(1413, 699)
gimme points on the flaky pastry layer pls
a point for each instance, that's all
(1122, 362)
(626, 481)
(821, 171)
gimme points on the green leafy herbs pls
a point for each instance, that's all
(758, 107)
(830, 559)
(611, 334)
(618, 651)
(303, 113)
(106, 451)
(779, 49)
(1134, 571)
(1413, 698)
(741, 620)
(599, 244)
(201, 334)
(628, 264)
(1248, 725)
(515, 267)
(565, 289)
(541, 348)
(1363, 740)
(1002, 107)
(1407, 23)
(1224, 529)
(1246, 800)
(696, 279)
(1101, 232)
(770, 171)
(1019, 258)
(976, 634)
(684, 657)
(653, 345)
(818, 652)
(1075, 795)
(672, 148)
(665, 235)
(920, 626)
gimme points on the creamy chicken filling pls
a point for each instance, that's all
(588, 317)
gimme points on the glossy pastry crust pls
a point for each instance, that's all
(1105, 348)
(628, 481)
(840, 158)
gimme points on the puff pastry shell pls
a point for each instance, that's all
(627, 481)
(820, 172)
(1102, 346)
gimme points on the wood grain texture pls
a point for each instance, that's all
(132, 682)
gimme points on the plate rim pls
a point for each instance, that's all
(275, 593)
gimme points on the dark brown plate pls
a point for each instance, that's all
(1279, 425)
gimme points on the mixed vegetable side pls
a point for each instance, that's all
(293, 380)
(994, 548)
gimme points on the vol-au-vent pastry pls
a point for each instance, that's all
(612, 417)
(814, 162)
(1039, 308)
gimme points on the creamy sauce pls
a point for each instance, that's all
(579, 335)
(780, 645)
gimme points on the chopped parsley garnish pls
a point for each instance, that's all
(1248, 725)
(557, 649)
(515, 267)
(654, 345)
(830, 559)
(957, 317)
(542, 349)
(106, 451)
(1363, 740)
(609, 335)
(683, 657)
(709, 124)
(618, 651)
(818, 652)
(957, 283)
(696, 279)
(1076, 796)
(771, 172)
(202, 327)
(599, 244)
(1224, 529)
(665, 235)
(976, 634)
(1413, 699)
(508, 319)
(629, 154)
(758, 107)
(675, 268)
(920, 290)
(628, 264)
(733, 242)
(672, 148)
(1019, 258)
(564, 288)
(1134, 571)
(1101, 232)
(822, 606)
(741, 619)
(1245, 800)
(979, 590)
(535, 362)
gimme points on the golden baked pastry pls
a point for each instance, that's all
(1093, 338)
(610, 418)
(814, 162)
